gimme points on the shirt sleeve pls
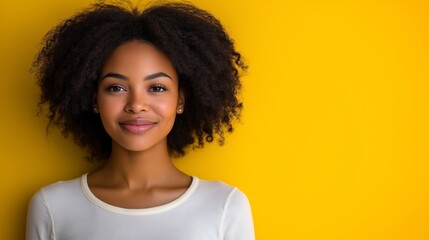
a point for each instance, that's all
(39, 220)
(237, 222)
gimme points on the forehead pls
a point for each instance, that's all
(138, 58)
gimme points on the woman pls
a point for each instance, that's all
(135, 88)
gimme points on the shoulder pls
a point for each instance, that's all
(236, 215)
(43, 207)
(61, 188)
(214, 186)
(221, 191)
(57, 192)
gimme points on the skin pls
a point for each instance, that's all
(138, 98)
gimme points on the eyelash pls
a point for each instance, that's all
(115, 88)
(159, 87)
(153, 88)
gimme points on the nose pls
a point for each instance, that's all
(137, 102)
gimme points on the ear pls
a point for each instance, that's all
(181, 102)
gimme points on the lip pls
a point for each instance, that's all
(137, 126)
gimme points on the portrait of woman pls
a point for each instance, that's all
(135, 88)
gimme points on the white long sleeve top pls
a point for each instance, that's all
(209, 210)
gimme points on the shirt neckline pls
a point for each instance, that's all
(141, 211)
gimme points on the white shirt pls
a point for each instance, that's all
(207, 210)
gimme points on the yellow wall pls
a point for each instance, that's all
(334, 137)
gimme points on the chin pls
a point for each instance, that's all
(140, 146)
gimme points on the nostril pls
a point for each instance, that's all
(136, 105)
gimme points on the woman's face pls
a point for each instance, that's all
(138, 96)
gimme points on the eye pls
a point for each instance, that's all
(115, 88)
(157, 88)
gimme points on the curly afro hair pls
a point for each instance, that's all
(208, 66)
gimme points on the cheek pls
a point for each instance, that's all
(165, 106)
(109, 105)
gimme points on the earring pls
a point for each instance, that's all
(179, 111)
(96, 109)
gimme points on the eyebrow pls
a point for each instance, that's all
(114, 75)
(157, 75)
(148, 77)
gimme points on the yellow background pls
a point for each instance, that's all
(333, 142)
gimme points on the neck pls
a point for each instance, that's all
(140, 169)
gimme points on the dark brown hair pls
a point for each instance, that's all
(73, 53)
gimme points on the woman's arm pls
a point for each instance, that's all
(39, 220)
(237, 222)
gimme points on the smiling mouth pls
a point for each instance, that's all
(137, 126)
